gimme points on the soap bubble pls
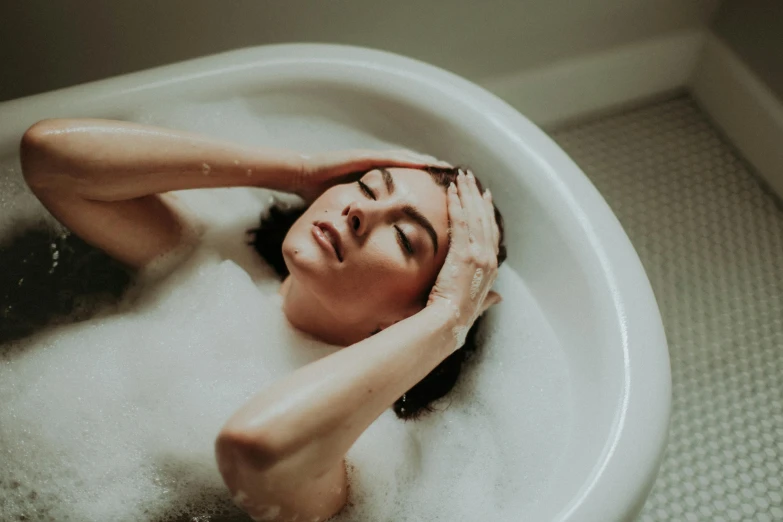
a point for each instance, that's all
(115, 417)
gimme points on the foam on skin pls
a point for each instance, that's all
(460, 333)
(475, 283)
(115, 418)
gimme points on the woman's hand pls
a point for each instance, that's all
(324, 170)
(463, 285)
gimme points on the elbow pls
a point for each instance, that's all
(35, 153)
(239, 451)
(244, 462)
(271, 484)
(38, 137)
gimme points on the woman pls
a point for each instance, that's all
(396, 266)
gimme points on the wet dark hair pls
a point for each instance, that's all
(267, 240)
(50, 276)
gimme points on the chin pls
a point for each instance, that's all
(302, 256)
(306, 264)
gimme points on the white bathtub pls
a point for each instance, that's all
(562, 238)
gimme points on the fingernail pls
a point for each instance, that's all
(461, 173)
(488, 194)
(452, 187)
(471, 177)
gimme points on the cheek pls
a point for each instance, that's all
(377, 280)
(298, 251)
(381, 273)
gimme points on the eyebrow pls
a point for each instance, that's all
(414, 213)
(388, 180)
(411, 211)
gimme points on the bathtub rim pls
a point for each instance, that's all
(627, 469)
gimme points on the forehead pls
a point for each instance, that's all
(412, 181)
(417, 188)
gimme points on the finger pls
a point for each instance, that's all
(406, 157)
(474, 208)
(462, 189)
(492, 299)
(493, 232)
(368, 159)
(484, 232)
(428, 159)
(459, 226)
(486, 209)
(493, 221)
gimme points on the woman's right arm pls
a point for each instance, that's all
(103, 179)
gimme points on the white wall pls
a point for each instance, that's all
(49, 44)
(754, 30)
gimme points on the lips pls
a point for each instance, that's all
(328, 236)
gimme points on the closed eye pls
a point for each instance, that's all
(404, 241)
(366, 190)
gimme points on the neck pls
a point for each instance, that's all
(306, 313)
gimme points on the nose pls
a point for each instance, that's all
(362, 216)
(357, 218)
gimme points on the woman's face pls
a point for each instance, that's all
(371, 250)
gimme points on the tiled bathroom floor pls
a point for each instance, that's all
(711, 241)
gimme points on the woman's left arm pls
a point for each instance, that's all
(103, 179)
(118, 160)
(281, 454)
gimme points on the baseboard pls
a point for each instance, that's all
(743, 107)
(593, 83)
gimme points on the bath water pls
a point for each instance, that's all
(114, 418)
